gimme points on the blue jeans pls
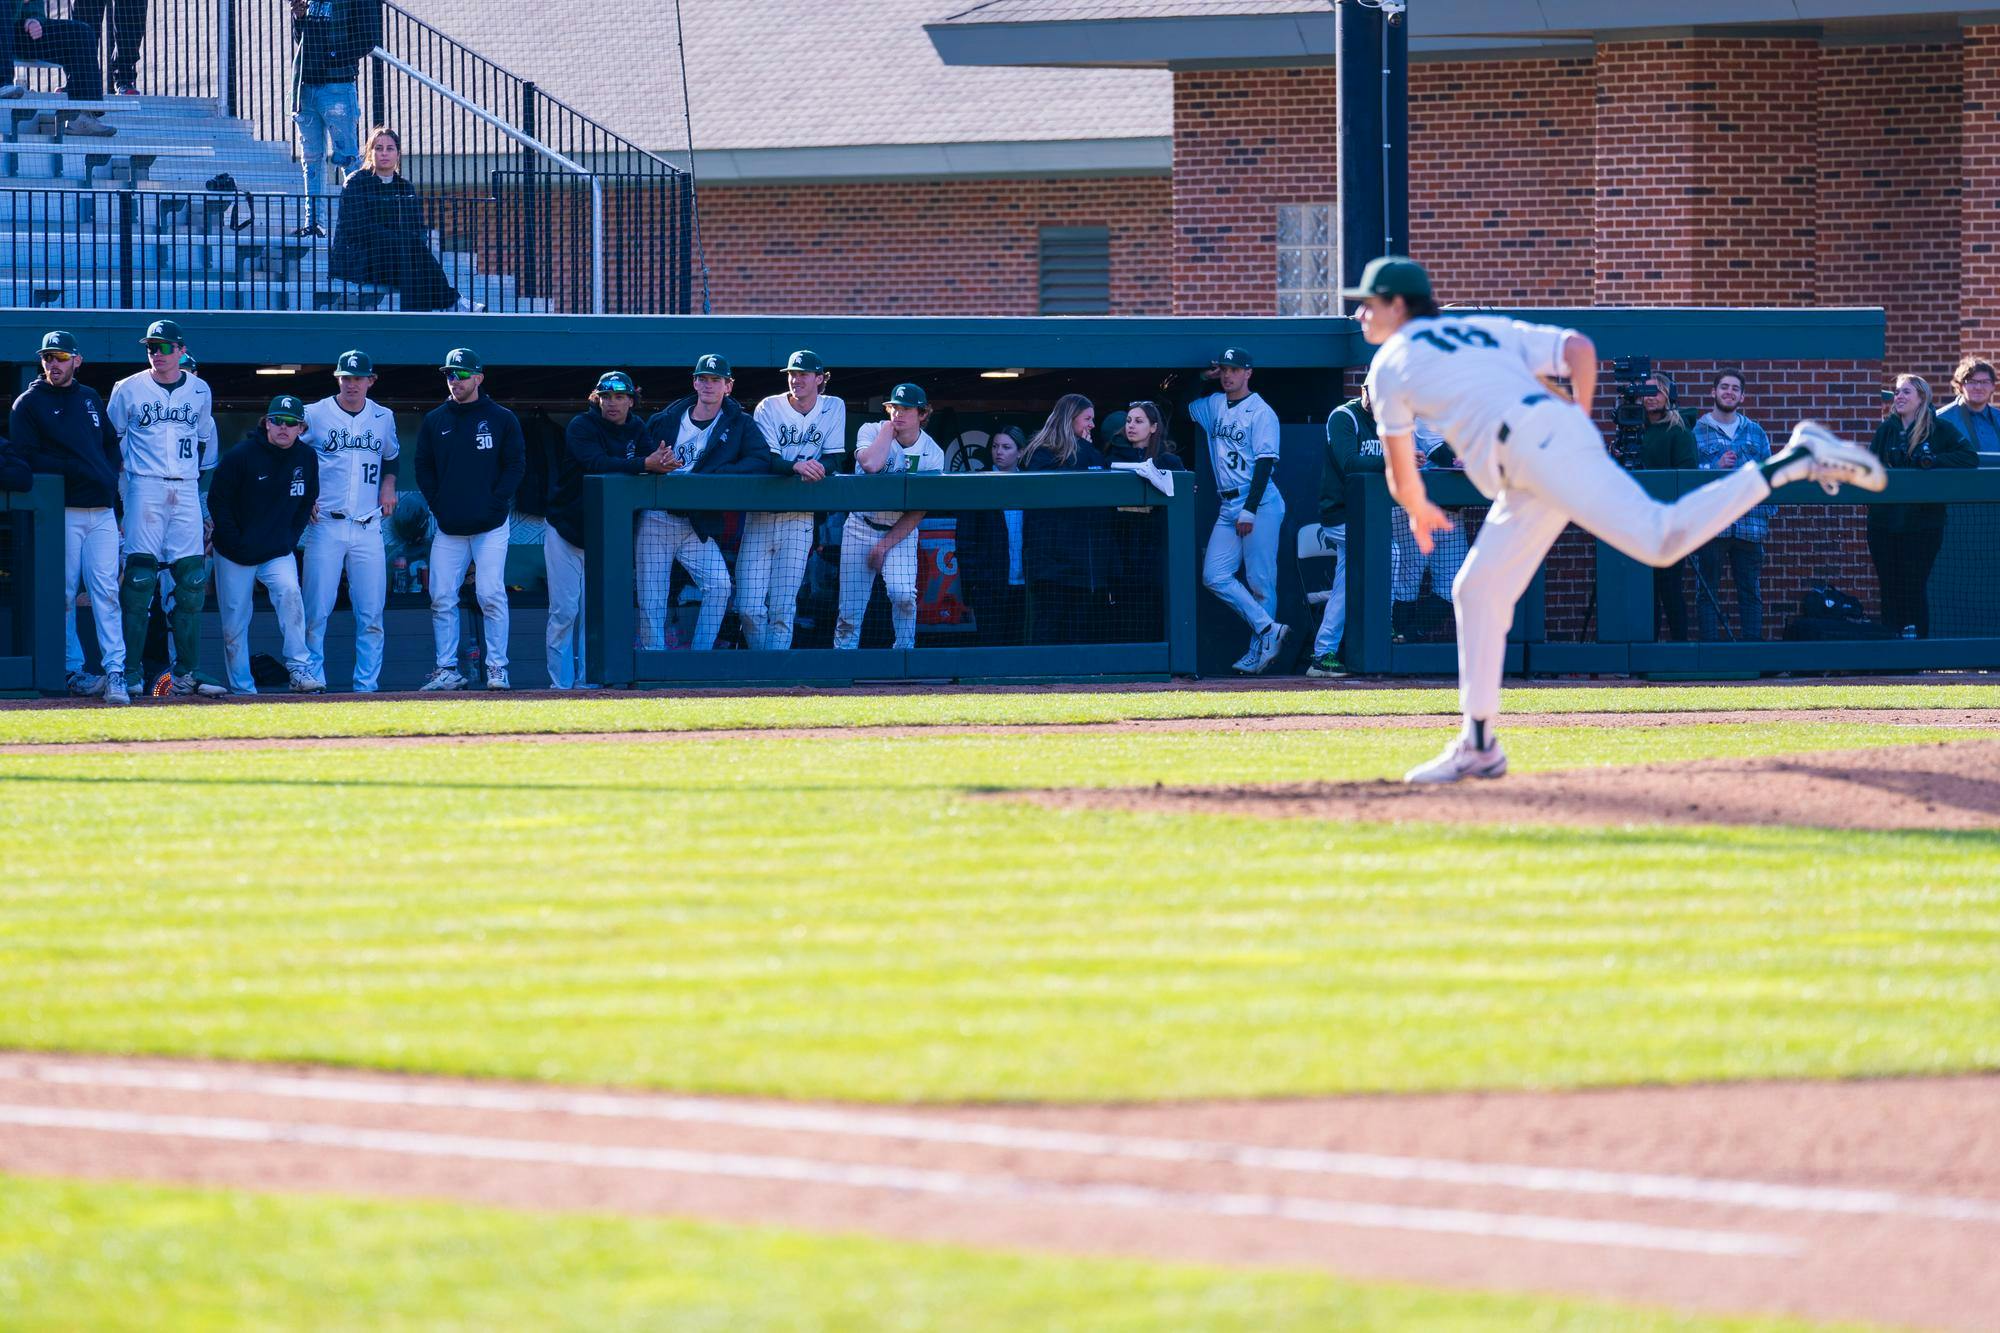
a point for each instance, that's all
(328, 117)
(1746, 567)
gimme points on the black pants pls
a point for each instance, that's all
(128, 33)
(1670, 595)
(1001, 615)
(407, 264)
(1064, 615)
(1903, 562)
(68, 43)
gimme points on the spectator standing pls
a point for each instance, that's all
(988, 547)
(470, 459)
(1353, 446)
(128, 36)
(30, 34)
(1242, 435)
(1725, 439)
(809, 430)
(609, 438)
(1066, 552)
(355, 440)
(881, 543)
(330, 39)
(1666, 442)
(262, 498)
(60, 427)
(1138, 571)
(1972, 412)
(1904, 540)
(380, 235)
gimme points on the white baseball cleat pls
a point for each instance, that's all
(115, 691)
(304, 682)
(1461, 759)
(496, 679)
(444, 678)
(1269, 644)
(1817, 454)
(1249, 658)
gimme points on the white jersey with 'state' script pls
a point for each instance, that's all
(1239, 434)
(923, 456)
(1462, 375)
(815, 434)
(164, 430)
(352, 447)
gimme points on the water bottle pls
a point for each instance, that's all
(468, 661)
(401, 582)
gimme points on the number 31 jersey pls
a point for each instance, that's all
(163, 429)
(352, 449)
(1462, 375)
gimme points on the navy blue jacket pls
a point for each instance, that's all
(65, 432)
(15, 474)
(470, 460)
(1067, 546)
(333, 38)
(736, 447)
(262, 498)
(592, 444)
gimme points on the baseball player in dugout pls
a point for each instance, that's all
(1488, 383)
(706, 433)
(263, 499)
(470, 459)
(60, 428)
(1242, 435)
(808, 428)
(163, 416)
(355, 441)
(879, 543)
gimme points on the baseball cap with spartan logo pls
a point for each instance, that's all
(355, 364)
(806, 362)
(287, 409)
(1235, 357)
(713, 365)
(908, 395)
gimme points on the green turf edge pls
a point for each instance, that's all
(336, 718)
(121, 1256)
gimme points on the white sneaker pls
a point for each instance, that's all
(1461, 759)
(115, 691)
(189, 686)
(1269, 644)
(91, 126)
(444, 678)
(496, 679)
(1249, 658)
(304, 683)
(1817, 454)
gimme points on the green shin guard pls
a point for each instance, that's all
(190, 596)
(135, 605)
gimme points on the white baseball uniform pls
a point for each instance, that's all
(771, 561)
(663, 538)
(899, 567)
(346, 533)
(167, 437)
(1540, 459)
(1239, 434)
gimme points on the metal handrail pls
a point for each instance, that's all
(533, 145)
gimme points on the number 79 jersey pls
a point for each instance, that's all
(1462, 375)
(164, 430)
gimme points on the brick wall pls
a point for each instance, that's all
(943, 248)
(1502, 179)
(1245, 141)
(1979, 172)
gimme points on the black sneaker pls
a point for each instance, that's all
(310, 229)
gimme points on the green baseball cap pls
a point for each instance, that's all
(465, 359)
(286, 408)
(164, 331)
(615, 381)
(806, 362)
(59, 340)
(1391, 275)
(908, 395)
(713, 365)
(188, 362)
(354, 365)
(1234, 356)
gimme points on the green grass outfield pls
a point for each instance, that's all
(842, 917)
(118, 1257)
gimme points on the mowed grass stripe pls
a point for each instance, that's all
(490, 716)
(845, 918)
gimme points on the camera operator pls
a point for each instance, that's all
(1904, 540)
(1666, 442)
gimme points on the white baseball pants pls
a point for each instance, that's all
(1333, 621)
(857, 582)
(331, 546)
(1555, 470)
(487, 554)
(1407, 564)
(1255, 597)
(234, 588)
(662, 539)
(565, 630)
(163, 518)
(770, 566)
(90, 557)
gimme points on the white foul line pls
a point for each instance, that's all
(918, 1180)
(872, 1124)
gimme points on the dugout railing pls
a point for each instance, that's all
(31, 580)
(1621, 631)
(612, 505)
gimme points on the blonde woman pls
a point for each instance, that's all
(1904, 540)
(1067, 551)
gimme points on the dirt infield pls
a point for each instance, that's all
(1860, 1200)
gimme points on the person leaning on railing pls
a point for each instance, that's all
(30, 34)
(1904, 540)
(1138, 578)
(1067, 552)
(380, 236)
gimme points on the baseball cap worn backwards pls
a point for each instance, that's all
(615, 381)
(286, 408)
(1234, 356)
(463, 358)
(713, 365)
(164, 331)
(59, 340)
(1391, 275)
(908, 395)
(805, 361)
(354, 364)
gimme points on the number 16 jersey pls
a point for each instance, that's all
(163, 428)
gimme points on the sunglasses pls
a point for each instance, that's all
(161, 349)
(53, 355)
(460, 374)
(1142, 406)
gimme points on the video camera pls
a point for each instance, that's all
(1629, 418)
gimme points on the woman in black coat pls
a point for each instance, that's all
(1138, 536)
(380, 237)
(1067, 551)
(1904, 540)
